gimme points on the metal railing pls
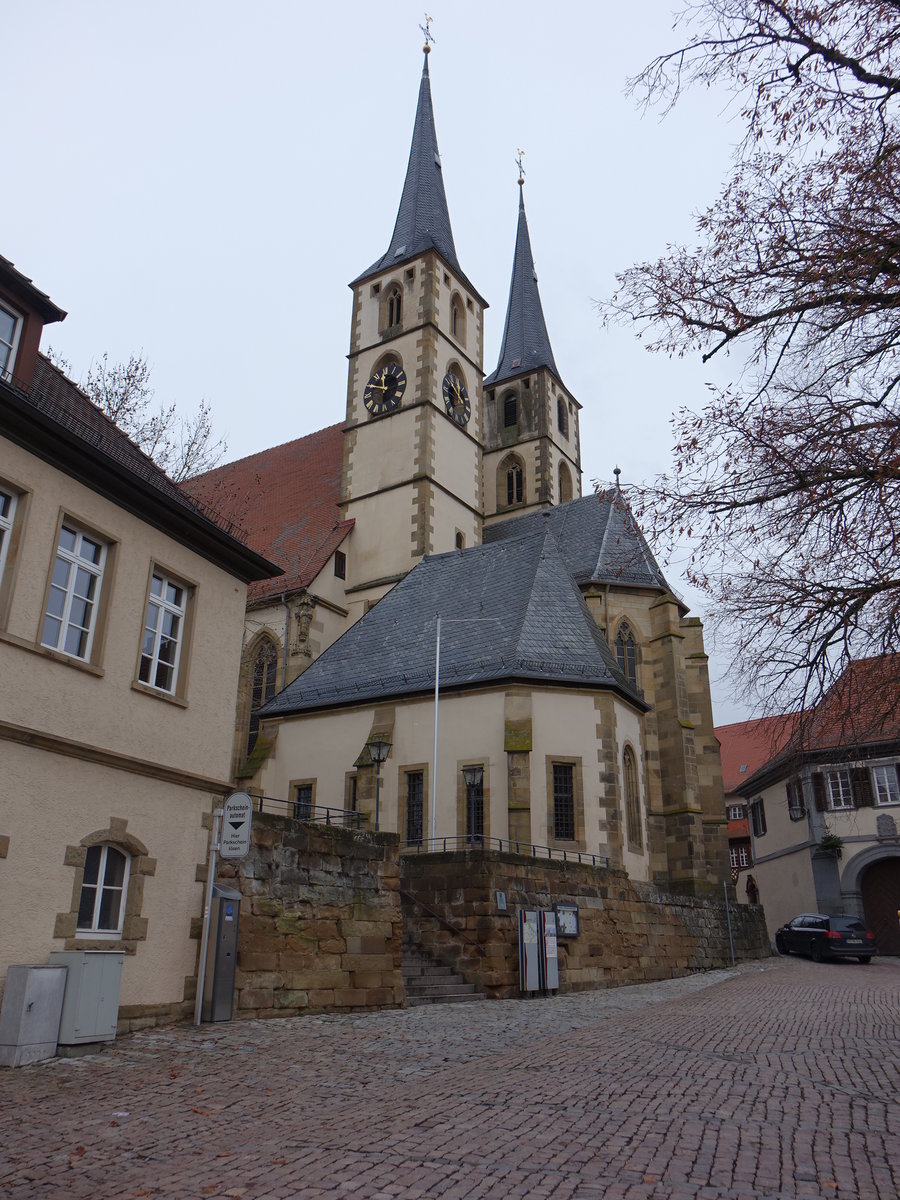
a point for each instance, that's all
(443, 845)
(321, 814)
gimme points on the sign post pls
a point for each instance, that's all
(232, 822)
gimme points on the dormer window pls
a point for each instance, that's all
(10, 327)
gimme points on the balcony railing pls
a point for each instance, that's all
(445, 845)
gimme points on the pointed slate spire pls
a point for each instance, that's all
(526, 343)
(423, 220)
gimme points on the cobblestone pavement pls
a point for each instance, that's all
(776, 1080)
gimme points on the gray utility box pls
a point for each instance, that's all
(29, 1019)
(91, 1008)
(221, 954)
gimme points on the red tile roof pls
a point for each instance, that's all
(287, 502)
(748, 745)
(861, 708)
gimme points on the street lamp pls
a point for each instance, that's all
(473, 776)
(379, 748)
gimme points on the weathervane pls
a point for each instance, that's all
(520, 154)
(429, 36)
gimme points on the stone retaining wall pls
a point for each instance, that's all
(629, 933)
(321, 924)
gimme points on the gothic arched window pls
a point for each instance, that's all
(565, 484)
(457, 319)
(632, 800)
(626, 654)
(264, 672)
(395, 299)
(514, 487)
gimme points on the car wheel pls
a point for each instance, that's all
(815, 952)
(865, 959)
(780, 946)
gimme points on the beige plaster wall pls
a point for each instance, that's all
(383, 544)
(456, 461)
(53, 693)
(51, 802)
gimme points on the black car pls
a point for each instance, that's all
(824, 937)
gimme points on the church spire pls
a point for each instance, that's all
(526, 343)
(423, 220)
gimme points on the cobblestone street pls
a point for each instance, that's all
(781, 1079)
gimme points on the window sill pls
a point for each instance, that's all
(158, 693)
(45, 652)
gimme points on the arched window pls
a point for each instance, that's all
(626, 654)
(562, 417)
(565, 484)
(394, 306)
(514, 489)
(264, 672)
(101, 908)
(460, 540)
(457, 319)
(632, 801)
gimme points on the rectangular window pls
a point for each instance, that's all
(163, 633)
(563, 802)
(739, 855)
(303, 802)
(415, 812)
(510, 411)
(884, 780)
(340, 564)
(796, 806)
(736, 812)
(7, 513)
(840, 791)
(10, 326)
(71, 616)
(758, 818)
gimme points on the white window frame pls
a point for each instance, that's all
(6, 524)
(840, 791)
(739, 855)
(736, 812)
(92, 930)
(884, 782)
(7, 370)
(75, 562)
(758, 824)
(166, 608)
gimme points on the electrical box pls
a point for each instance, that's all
(221, 954)
(90, 1010)
(29, 1019)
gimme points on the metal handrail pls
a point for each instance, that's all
(454, 929)
(443, 845)
(321, 814)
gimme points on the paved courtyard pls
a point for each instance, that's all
(781, 1079)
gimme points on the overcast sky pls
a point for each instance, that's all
(200, 180)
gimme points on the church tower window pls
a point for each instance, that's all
(562, 417)
(510, 410)
(626, 655)
(514, 490)
(565, 484)
(394, 307)
(264, 674)
(457, 320)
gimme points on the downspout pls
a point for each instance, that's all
(287, 634)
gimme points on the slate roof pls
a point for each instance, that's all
(509, 611)
(287, 500)
(598, 539)
(54, 419)
(526, 343)
(423, 219)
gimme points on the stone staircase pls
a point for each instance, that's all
(428, 982)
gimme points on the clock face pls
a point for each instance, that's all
(385, 389)
(456, 399)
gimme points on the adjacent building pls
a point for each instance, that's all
(121, 612)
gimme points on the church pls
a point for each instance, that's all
(464, 649)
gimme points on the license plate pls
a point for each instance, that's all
(854, 941)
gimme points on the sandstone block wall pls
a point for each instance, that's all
(320, 922)
(629, 933)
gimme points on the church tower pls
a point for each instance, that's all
(532, 450)
(413, 432)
